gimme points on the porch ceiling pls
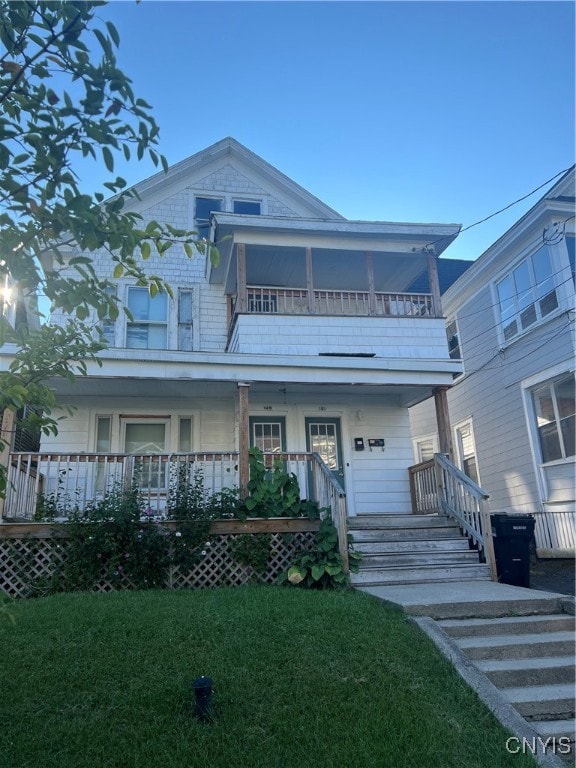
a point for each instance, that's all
(126, 389)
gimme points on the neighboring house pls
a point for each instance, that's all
(510, 318)
(308, 336)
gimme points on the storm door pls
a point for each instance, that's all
(323, 436)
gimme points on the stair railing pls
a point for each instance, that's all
(462, 499)
(329, 493)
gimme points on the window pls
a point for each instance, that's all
(466, 451)
(527, 294)
(147, 437)
(268, 433)
(425, 448)
(148, 328)
(570, 248)
(185, 435)
(453, 340)
(108, 326)
(185, 340)
(204, 207)
(554, 408)
(247, 207)
(103, 445)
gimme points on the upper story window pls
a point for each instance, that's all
(453, 340)
(527, 294)
(185, 323)
(247, 207)
(148, 328)
(570, 249)
(554, 407)
(108, 326)
(204, 207)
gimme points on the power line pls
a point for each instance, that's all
(501, 210)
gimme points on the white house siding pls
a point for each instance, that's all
(376, 481)
(313, 335)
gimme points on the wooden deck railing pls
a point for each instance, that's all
(61, 484)
(439, 486)
(300, 301)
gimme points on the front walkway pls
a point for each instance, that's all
(450, 611)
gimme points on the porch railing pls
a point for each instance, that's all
(300, 301)
(555, 532)
(60, 484)
(439, 486)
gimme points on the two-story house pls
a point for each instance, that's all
(304, 338)
(510, 318)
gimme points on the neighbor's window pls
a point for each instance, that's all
(527, 294)
(453, 340)
(204, 207)
(554, 406)
(247, 207)
(148, 328)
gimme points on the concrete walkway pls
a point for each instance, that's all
(471, 599)
(429, 603)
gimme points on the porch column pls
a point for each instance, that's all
(241, 301)
(310, 282)
(371, 288)
(443, 422)
(434, 285)
(243, 438)
(6, 434)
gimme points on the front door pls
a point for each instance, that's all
(323, 438)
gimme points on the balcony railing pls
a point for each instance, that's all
(300, 301)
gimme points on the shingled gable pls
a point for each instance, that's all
(228, 151)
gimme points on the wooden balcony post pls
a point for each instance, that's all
(443, 422)
(243, 438)
(6, 434)
(310, 282)
(241, 303)
(371, 285)
(434, 285)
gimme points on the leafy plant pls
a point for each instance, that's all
(273, 492)
(322, 567)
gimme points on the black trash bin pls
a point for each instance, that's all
(512, 535)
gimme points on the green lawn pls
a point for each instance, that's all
(302, 680)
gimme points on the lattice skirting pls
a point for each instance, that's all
(27, 565)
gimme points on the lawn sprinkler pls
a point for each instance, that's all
(203, 693)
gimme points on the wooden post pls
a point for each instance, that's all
(434, 285)
(371, 284)
(443, 422)
(310, 282)
(243, 438)
(241, 303)
(6, 435)
(486, 524)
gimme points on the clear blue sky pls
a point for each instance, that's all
(396, 111)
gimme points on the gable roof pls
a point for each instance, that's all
(230, 149)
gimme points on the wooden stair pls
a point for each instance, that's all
(412, 549)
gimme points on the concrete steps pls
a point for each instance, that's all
(531, 660)
(412, 549)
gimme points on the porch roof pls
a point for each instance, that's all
(398, 239)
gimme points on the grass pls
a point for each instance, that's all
(307, 679)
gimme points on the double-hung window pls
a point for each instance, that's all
(554, 408)
(204, 207)
(527, 294)
(148, 328)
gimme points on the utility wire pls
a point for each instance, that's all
(501, 210)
